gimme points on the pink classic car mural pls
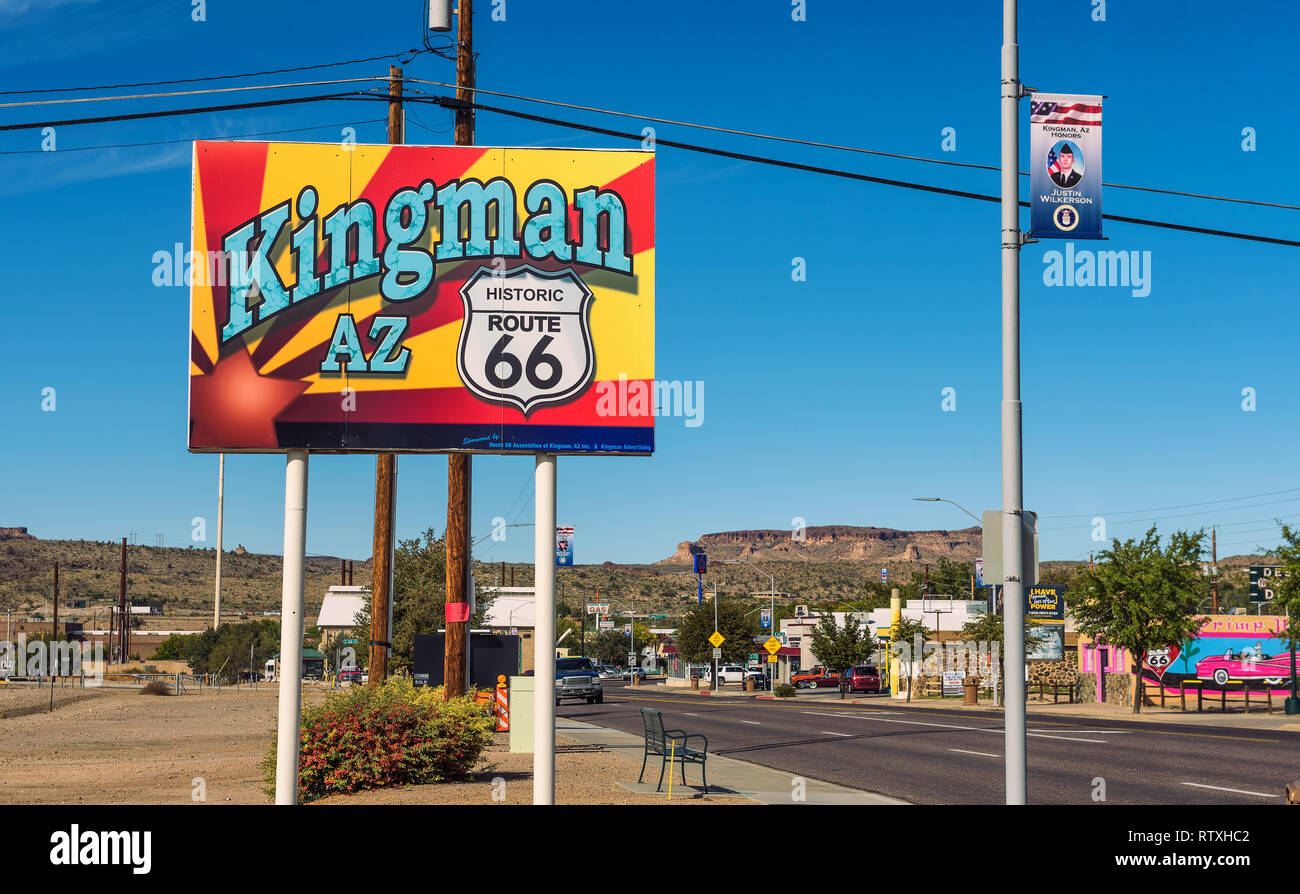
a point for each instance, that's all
(1230, 652)
(1251, 663)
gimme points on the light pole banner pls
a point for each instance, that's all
(1065, 166)
(564, 545)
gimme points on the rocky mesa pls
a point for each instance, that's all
(834, 543)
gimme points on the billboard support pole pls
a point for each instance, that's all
(544, 629)
(291, 594)
(1012, 458)
(459, 467)
(221, 508)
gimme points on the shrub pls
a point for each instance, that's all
(155, 687)
(785, 690)
(376, 736)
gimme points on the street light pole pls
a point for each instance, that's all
(1012, 456)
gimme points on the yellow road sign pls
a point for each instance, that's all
(717, 639)
(772, 645)
(771, 659)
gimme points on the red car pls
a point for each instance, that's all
(863, 678)
(816, 678)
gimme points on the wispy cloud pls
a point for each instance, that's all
(67, 169)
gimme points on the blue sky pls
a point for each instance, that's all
(822, 399)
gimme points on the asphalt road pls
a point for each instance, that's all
(949, 756)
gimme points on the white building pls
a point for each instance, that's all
(339, 611)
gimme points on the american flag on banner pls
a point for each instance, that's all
(1053, 166)
(1056, 112)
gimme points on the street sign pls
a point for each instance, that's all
(349, 642)
(717, 639)
(773, 645)
(992, 542)
(753, 656)
(631, 658)
(771, 659)
(717, 654)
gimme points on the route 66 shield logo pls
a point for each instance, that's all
(526, 337)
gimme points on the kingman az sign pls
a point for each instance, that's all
(415, 298)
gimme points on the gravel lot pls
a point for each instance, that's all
(117, 746)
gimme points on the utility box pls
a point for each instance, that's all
(523, 691)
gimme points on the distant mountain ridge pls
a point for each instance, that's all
(834, 543)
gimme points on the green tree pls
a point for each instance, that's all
(990, 629)
(1286, 590)
(1142, 597)
(839, 648)
(739, 631)
(225, 649)
(609, 647)
(908, 646)
(419, 598)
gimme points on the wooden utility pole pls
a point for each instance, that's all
(459, 472)
(121, 610)
(54, 631)
(385, 476)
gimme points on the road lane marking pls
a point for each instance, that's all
(827, 732)
(1239, 791)
(751, 722)
(980, 729)
(980, 753)
(689, 714)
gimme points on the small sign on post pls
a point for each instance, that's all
(717, 654)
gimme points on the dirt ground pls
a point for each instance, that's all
(117, 746)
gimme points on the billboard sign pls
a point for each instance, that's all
(421, 298)
(1064, 167)
(1262, 578)
(1044, 604)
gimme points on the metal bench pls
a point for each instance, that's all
(672, 745)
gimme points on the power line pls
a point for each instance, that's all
(1275, 493)
(168, 113)
(409, 54)
(838, 147)
(448, 102)
(174, 93)
(243, 136)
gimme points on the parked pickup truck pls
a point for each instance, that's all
(815, 678)
(578, 678)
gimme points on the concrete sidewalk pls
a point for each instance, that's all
(727, 776)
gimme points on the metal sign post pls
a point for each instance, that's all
(544, 631)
